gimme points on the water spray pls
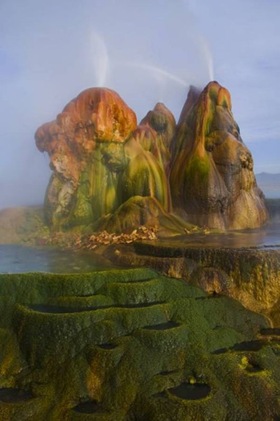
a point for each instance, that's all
(158, 71)
(100, 57)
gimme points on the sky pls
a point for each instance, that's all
(148, 51)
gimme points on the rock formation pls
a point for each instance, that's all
(100, 159)
(132, 345)
(249, 274)
(212, 178)
(104, 163)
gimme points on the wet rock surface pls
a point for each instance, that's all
(212, 177)
(147, 347)
(249, 275)
(109, 173)
(101, 159)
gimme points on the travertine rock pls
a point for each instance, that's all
(131, 344)
(101, 160)
(212, 177)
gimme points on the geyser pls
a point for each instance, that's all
(158, 72)
(109, 173)
(101, 58)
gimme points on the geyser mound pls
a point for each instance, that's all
(104, 163)
(212, 179)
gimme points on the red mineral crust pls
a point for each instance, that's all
(95, 115)
(104, 163)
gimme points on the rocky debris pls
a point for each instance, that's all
(104, 238)
(196, 229)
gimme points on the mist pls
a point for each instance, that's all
(146, 51)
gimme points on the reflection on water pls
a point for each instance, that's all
(265, 237)
(19, 259)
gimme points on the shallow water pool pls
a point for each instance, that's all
(19, 259)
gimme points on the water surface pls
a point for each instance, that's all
(20, 259)
(267, 236)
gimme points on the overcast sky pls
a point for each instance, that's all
(148, 51)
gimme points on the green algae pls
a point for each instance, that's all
(197, 169)
(126, 345)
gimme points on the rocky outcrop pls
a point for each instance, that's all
(96, 115)
(212, 180)
(250, 275)
(156, 132)
(101, 161)
(131, 344)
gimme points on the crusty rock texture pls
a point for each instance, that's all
(101, 161)
(131, 344)
(212, 178)
(250, 275)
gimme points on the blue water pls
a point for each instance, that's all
(19, 259)
(265, 237)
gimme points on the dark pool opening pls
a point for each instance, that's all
(108, 346)
(219, 351)
(254, 368)
(189, 391)
(11, 395)
(46, 308)
(255, 345)
(162, 326)
(271, 331)
(88, 407)
(139, 305)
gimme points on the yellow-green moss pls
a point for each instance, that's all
(197, 169)
(123, 340)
